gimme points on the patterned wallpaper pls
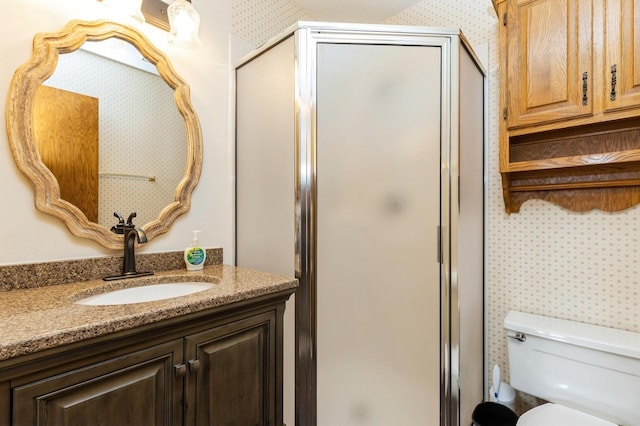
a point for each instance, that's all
(130, 129)
(544, 260)
(257, 21)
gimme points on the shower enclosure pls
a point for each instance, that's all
(360, 169)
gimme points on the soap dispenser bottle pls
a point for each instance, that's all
(194, 255)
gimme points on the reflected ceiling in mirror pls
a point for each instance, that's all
(147, 151)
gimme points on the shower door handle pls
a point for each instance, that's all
(442, 245)
(439, 244)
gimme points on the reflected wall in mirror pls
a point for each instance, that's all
(139, 129)
(100, 122)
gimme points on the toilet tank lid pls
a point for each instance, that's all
(606, 339)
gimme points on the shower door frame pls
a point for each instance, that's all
(307, 38)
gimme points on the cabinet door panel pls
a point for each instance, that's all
(622, 91)
(236, 377)
(549, 50)
(135, 389)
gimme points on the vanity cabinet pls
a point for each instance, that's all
(232, 380)
(570, 102)
(211, 369)
(133, 389)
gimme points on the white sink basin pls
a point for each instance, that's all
(145, 293)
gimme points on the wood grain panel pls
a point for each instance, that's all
(622, 42)
(66, 130)
(552, 146)
(545, 46)
(135, 389)
(580, 200)
(577, 161)
(5, 403)
(549, 48)
(235, 384)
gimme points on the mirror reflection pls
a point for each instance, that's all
(107, 126)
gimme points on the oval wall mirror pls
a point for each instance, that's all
(100, 122)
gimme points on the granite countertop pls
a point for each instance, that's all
(35, 319)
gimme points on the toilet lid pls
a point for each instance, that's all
(558, 415)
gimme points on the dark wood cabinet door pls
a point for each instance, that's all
(136, 389)
(232, 376)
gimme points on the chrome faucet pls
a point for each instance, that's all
(131, 233)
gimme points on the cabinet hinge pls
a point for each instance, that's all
(504, 18)
(504, 113)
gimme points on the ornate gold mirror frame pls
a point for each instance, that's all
(26, 80)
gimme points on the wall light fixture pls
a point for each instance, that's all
(179, 17)
(184, 22)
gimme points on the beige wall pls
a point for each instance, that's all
(27, 235)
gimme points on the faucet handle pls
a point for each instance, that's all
(129, 225)
(119, 228)
(142, 237)
(130, 218)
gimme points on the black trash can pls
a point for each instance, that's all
(493, 414)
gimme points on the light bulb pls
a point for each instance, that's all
(184, 23)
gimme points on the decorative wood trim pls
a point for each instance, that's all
(617, 157)
(579, 199)
(27, 78)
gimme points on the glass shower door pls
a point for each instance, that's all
(378, 209)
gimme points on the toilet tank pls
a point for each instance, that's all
(590, 368)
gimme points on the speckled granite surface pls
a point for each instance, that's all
(34, 319)
(31, 275)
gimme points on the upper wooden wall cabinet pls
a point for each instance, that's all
(570, 102)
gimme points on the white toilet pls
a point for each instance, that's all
(589, 374)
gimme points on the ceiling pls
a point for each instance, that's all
(371, 11)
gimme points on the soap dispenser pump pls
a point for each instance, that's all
(194, 255)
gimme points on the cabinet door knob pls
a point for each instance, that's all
(194, 365)
(180, 370)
